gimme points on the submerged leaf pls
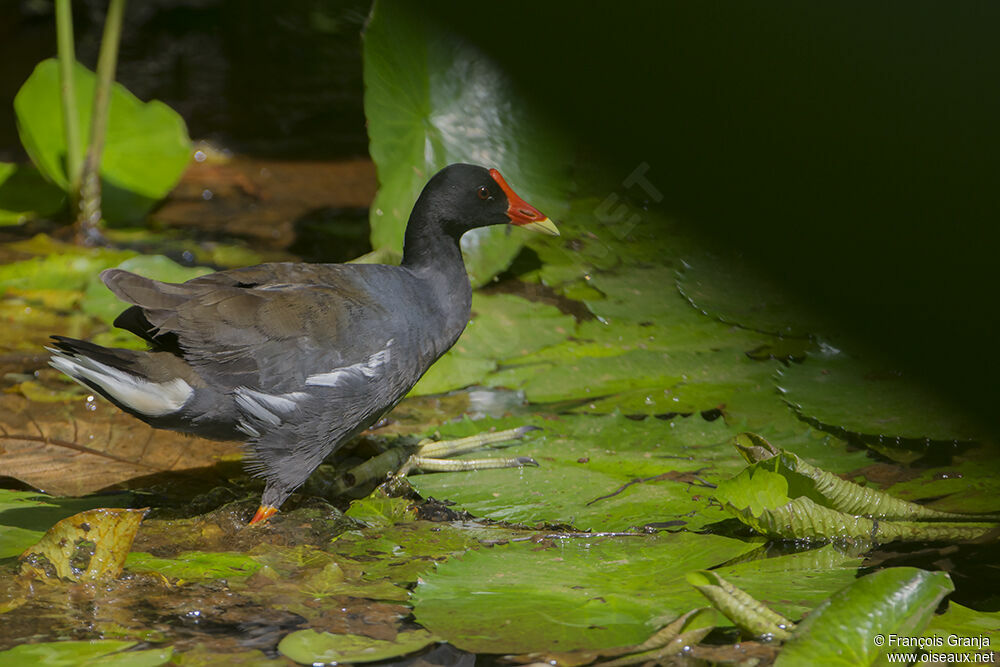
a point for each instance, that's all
(90, 546)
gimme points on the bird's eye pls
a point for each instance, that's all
(483, 192)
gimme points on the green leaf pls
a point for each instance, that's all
(964, 630)
(431, 100)
(194, 565)
(842, 631)
(588, 592)
(145, 152)
(25, 195)
(872, 399)
(311, 647)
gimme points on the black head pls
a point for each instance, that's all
(461, 197)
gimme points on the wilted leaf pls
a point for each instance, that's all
(90, 546)
(78, 448)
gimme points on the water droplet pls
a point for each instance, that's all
(206, 194)
(199, 156)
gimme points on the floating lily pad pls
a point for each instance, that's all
(145, 151)
(872, 399)
(567, 594)
(311, 647)
(432, 99)
(103, 652)
(894, 602)
(730, 289)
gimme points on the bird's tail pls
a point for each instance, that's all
(120, 376)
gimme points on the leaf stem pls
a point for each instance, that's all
(90, 187)
(67, 60)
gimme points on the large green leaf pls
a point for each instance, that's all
(25, 195)
(432, 99)
(853, 628)
(145, 151)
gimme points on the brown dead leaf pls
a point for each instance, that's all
(89, 546)
(71, 449)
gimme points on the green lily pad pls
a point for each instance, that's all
(25, 195)
(569, 594)
(103, 652)
(145, 151)
(596, 473)
(311, 647)
(431, 100)
(870, 399)
(502, 326)
(844, 630)
(731, 290)
(194, 565)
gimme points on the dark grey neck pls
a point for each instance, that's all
(435, 256)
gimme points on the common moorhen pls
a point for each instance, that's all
(298, 358)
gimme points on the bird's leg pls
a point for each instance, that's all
(432, 456)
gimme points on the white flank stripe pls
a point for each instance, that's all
(368, 368)
(153, 399)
